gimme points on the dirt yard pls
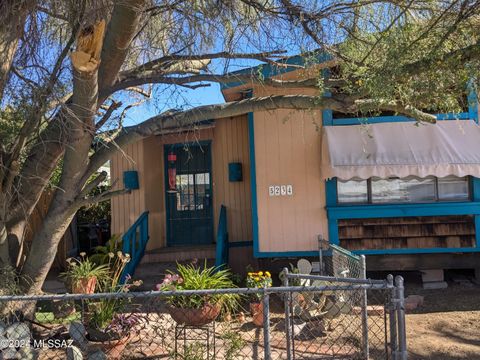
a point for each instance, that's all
(447, 326)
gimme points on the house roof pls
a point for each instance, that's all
(270, 70)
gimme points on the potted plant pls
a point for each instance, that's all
(258, 279)
(82, 274)
(198, 310)
(106, 324)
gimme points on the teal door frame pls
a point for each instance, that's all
(168, 213)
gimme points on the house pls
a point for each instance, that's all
(408, 197)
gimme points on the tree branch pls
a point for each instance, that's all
(107, 195)
(167, 122)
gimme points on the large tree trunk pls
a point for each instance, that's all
(81, 130)
(44, 245)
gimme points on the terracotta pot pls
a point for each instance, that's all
(194, 317)
(256, 310)
(85, 285)
(110, 344)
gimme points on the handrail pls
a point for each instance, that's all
(135, 249)
(221, 253)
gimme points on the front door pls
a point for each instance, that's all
(189, 194)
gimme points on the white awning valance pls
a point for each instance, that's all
(401, 149)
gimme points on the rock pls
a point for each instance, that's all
(28, 353)
(3, 328)
(3, 342)
(9, 353)
(74, 353)
(97, 355)
(78, 334)
(372, 310)
(18, 331)
(432, 275)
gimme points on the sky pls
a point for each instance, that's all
(162, 101)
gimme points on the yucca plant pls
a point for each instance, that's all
(190, 277)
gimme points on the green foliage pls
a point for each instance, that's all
(93, 213)
(408, 63)
(84, 268)
(104, 253)
(194, 351)
(233, 343)
(190, 277)
(103, 312)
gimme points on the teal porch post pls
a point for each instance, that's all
(476, 197)
(331, 200)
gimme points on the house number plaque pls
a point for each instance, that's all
(280, 190)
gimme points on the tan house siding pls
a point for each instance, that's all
(288, 152)
(127, 208)
(230, 144)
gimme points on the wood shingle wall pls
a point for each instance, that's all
(408, 232)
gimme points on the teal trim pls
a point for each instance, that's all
(403, 210)
(221, 254)
(475, 187)
(394, 119)
(289, 254)
(134, 242)
(327, 117)
(331, 200)
(285, 254)
(472, 101)
(416, 251)
(166, 148)
(253, 181)
(331, 192)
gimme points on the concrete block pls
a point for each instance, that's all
(413, 301)
(432, 285)
(476, 279)
(432, 275)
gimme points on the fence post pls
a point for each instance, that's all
(392, 306)
(266, 325)
(402, 337)
(288, 329)
(363, 274)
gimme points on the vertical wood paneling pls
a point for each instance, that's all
(126, 208)
(288, 151)
(229, 144)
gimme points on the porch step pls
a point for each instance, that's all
(180, 253)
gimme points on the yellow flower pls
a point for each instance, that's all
(250, 274)
(260, 273)
(257, 279)
(267, 274)
(82, 254)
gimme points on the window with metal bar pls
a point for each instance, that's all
(403, 190)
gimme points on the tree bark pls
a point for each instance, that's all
(81, 131)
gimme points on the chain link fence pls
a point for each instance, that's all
(325, 318)
(337, 261)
